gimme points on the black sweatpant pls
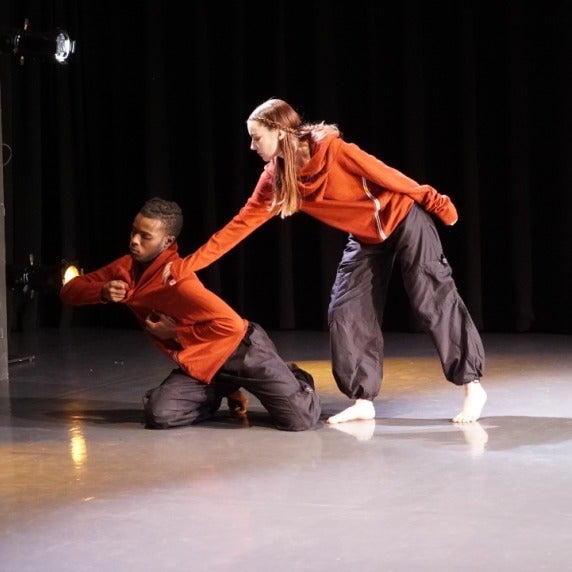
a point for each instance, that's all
(285, 391)
(355, 313)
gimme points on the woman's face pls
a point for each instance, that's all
(266, 142)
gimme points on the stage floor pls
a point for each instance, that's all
(84, 487)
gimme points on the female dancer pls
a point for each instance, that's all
(388, 217)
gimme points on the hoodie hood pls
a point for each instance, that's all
(314, 174)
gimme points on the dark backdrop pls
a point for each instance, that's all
(470, 97)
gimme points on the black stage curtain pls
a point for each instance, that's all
(472, 98)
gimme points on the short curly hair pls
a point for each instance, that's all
(169, 212)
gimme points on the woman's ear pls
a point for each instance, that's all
(280, 135)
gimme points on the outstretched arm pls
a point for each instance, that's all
(250, 217)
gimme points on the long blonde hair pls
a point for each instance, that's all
(277, 114)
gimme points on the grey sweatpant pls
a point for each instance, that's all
(286, 391)
(355, 313)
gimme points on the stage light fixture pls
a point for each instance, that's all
(69, 271)
(34, 278)
(26, 281)
(54, 46)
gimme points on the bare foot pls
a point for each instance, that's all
(361, 409)
(362, 429)
(237, 403)
(475, 399)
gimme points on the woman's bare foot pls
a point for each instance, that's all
(475, 399)
(361, 409)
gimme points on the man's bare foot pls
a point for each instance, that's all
(475, 399)
(361, 409)
(237, 403)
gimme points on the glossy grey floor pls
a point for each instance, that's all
(83, 486)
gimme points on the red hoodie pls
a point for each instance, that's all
(342, 186)
(208, 329)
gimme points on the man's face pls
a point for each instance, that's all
(148, 239)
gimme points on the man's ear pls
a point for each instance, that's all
(169, 240)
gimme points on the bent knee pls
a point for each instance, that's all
(156, 416)
(158, 410)
(302, 412)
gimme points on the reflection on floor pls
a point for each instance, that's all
(84, 487)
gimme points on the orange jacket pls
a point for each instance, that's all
(208, 329)
(341, 186)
